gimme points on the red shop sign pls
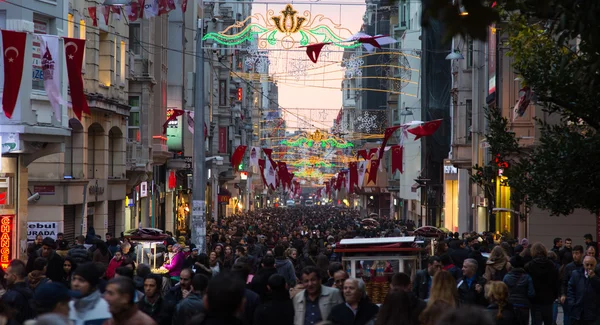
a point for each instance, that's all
(6, 231)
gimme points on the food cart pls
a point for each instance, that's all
(148, 244)
(375, 260)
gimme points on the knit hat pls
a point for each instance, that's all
(49, 242)
(89, 271)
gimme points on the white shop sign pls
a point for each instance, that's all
(46, 229)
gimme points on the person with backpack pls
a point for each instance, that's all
(497, 266)
(520, 288)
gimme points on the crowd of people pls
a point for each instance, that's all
(279, 266)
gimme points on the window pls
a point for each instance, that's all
(41, 25)
(134, 38)
(348, 91)
(104, 68)
(468, 117)
(469, 52)
(403, 16)
(133, 126)
(222, 93)
(122, 57)
(70, 26)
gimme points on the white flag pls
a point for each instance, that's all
(270, 173)
(190, 121)
(151, 8)
(51, 69)
(254, 156)
(362, 168)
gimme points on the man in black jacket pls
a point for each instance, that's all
(423, 279)
(470, 286)
(153, 304)
(278, 309)
(459, 252)
(78, 252)
(357, 309)
(576, 265)
(546, 283)
(54, 269)
(260, 281)
(18, 295)
(193, 304)
(584, 293)
(401, 282)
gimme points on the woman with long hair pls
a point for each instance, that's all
(228, 258)
(496, 292)
(69, 266)
(398, 309)
(497, 265)
(443, 296)
(214, 263)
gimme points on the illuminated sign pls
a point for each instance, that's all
(174, 132)
(6, 222)
(239, 94)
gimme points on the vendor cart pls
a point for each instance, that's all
(375, 260)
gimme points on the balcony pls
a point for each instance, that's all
(160, 151)
(137, 156)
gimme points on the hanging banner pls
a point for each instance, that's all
(51, 69)
(46, 229)
(222, 139)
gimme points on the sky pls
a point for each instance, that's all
(311, 91)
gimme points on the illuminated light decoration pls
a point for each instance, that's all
(319, 164)
(240, 94)
(318, 139)
(310, 30)
(353, 66)
(6, 225)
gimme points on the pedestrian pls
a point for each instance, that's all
(53, 298)
(17, 297)
(520, 289)
(193, 304)
(79, 252)
(470, 286)
(101, 254)
(175, 264)
(567, 271)
(68, 267)
(465, 315)
(399, 307)
(260, 281)
(116, 262)
(224, 301)
(38, 275)
(120, 295)
(90, 307)
(153, 304)
(423, 278)
(278, 308)
(497, 265)
(284, 266)
(496, 292)
(583, 293)
(546, 283)
(314, 303)
(125, 272)
(181, 290)
(357, 309)
(54, 269)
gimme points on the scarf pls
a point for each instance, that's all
(87, 303)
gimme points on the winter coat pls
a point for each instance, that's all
(252, 302)
(112, 267)
(188, 308)
(161, 311)
(459, 255)
(468, 295)
(422, 283)
(260, 281)
(546, 281)
(99, 257)
(481, 262)
(96, 315)
(520, 287)
(507, 317)
(583, 296)
(18, 298)
(80, 254)
(36, 279)
(278, 310)
(343, 315)
(176, 264)
(495, 270)
(286, 270)
(566, 276)
(329, 298)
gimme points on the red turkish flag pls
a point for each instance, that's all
(237, 157)
(372, 151)
(133, 11)
(397, 152)
(353, 175)
(327, 189)
(261, 166)
(184, 5)
(373, 171)
(268, 153)
(427, 129)
(174, 115)
(388, 133)
(13, 44)
(93, 15)
(106, 13)
(314, 50)
(74, 50)
(362, 154)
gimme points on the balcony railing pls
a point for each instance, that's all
(137, 156)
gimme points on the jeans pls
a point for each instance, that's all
(554, 311)
(566, 314)
(541, 314)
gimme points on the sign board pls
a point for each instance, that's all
(6, 232)
(46, 229)
(144, 189)
(44, 189)
(174, 131)
(450, 170)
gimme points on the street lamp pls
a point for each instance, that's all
(116, 2)
(456, 55)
